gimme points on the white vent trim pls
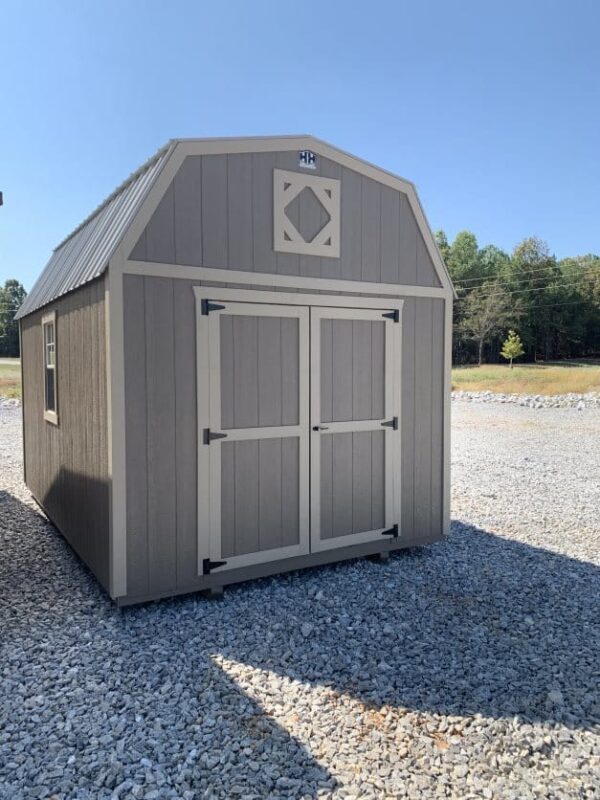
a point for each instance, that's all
(287, 239)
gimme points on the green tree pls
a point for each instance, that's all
(512, 347)
(484, 313)
(463, 259)
(12, 295)
(443, 246)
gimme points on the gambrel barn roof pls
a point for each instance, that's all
(85, 254)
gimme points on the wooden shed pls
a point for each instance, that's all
(239, 364)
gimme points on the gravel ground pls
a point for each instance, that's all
(467, 669)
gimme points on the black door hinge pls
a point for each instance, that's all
(207, 307)
(208, 565)
(393, 531)
(208, 436)
(391, 423)
(394, 315)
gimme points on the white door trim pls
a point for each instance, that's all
(296, 298)
(393, 451)
(209, 416)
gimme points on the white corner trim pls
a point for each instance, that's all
(116, 446)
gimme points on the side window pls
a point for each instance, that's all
(50, 393)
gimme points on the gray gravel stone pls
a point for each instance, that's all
(466, 669)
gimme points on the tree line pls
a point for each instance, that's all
(12, 295)
(553, 305)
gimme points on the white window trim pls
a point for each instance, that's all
(49, 415)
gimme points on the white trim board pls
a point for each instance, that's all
(295, 298)
(164, 270)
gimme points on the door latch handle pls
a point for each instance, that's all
(320, 428)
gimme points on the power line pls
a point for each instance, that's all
(585, 271)
(487, 295)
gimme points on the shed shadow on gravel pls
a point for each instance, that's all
(109, 688)
(477, 624)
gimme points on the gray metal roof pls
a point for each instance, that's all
(85, 253)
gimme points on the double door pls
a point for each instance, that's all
(299, 447)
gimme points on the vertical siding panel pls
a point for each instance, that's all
(140, 251)
(136, 444)
(326, 487)
(426, 275)
(361, 481)
(423, 418)
(362, 372)
(378, 333)
(239, 199)
(214, 211)
(408, 243)
(160, 387)
(78, 490)
(186, 435)
(290, 491)
(269, 371)
(371, 231)
(270, 495)
(342, 370)
(188, 212)
(342, 484)
(246, 497)
(160, 233)
(326, 371)
(265, 259)
(290, 372)
(390, 235)
(351, 230)
(408, 415)
(245, 377)
(437, 417)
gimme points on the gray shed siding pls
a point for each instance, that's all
(67, 464)
(161, 431)
(218, 213)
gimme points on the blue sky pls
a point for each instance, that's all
(493, 110)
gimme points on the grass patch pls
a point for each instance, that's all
(577, 377)
(10, 377)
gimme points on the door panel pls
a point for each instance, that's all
(352, 369)
(254, 478)
(352, 500)
(259, 495)
(259, 371)
(355, 484)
